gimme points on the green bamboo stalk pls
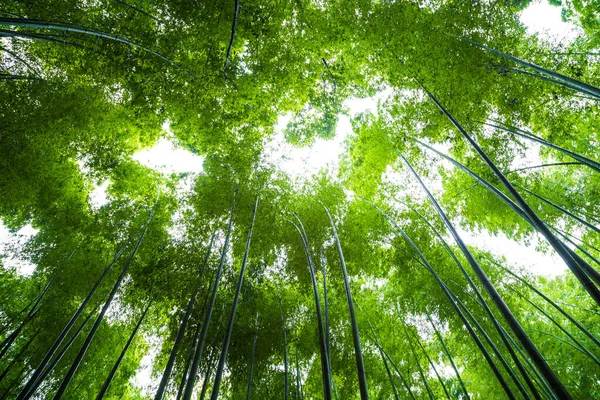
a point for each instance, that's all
(19, 355)
(189, 387)
(326, 313)
(535, 374)
(433, 367)
(530, 136)
(285, 356)
(27, 391)
(88, 340)
(360, 366)
(565, 80)
(325, 367)
(556, 244)
(37, 24)
(589, 273)
(209, 367)
(555, 164)
(561, 209)
(218, 375)
(497, 299)
(404, 382)
(552, 303)
(548, 79)
(421, 374)
(162, 387)
(581, 347)
(188, 362)
(113, 371)
(483, 303)
(492, 345)
(447, 352)
(298, 388)
(50, 366)
(249, 387)
(450, 296)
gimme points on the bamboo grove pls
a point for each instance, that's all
(240, 280)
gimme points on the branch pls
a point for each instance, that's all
(235, 18)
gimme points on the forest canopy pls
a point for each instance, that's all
(383, 277)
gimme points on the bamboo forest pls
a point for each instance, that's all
(386, 199)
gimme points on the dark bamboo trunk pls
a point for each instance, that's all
(360, 366)
(162, 387)
(514, 325)
(27, 391)
(189, 386)
(88, 340)
(221, 365)
(325, 367)
(113, 371)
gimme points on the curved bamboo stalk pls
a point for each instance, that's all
(298, 387)
(561, 209)
(433, 367)
(492, 345)
(483, 303)
(249, 387)
(28, 390)
(450, 296)
(385, 362)
(326, 312)
(578, 344)
(530, 136)
(325, 367)
(18, 356)
(230, 46)
(421, 374)
(447, 352)
(29, 23)
(360, 366)
(589, 273)
(542, 166)
(552, 303)
(404, 382)
(188, 362)
(285, 355)
(564, 80)
(557, 245)
(50, 366)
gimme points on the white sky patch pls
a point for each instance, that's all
(304, 162)
(143, 377)
(10, 243)
(516, 253)
(165, 157)
(545, 20)
(99, 196)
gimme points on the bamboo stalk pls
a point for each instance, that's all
(215, 392)
(189, 387)
(325, 367)
(88, 340)
(113, 371)
(360, 366)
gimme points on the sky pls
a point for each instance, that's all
(301, 163)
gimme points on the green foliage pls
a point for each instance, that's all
(102, 78)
